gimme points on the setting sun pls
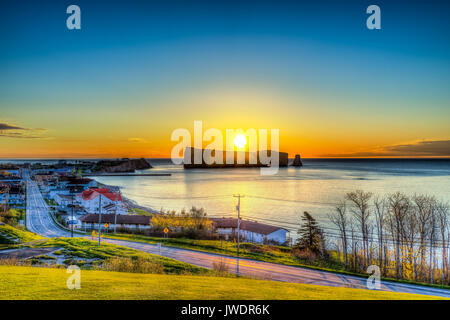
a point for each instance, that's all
(240, 141)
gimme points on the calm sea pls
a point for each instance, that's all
(280, 199)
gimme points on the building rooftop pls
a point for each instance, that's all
(92, 193)
(121, 219)
(246, 225)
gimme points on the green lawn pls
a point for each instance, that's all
(88, 249)
(49, 283)
(139, 211)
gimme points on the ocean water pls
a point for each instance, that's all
(280, 199)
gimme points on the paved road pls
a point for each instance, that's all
(38, 218)
(39, 221)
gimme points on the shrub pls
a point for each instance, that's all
(14, 262)
(305, 255)
(220, 266)
(138, 265)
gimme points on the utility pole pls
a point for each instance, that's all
(238, 208)
(99, 217)
(115, 212)
(71, 222)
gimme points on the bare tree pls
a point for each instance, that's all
(432, 241)
(340, 219)
(399, 205)
(409, 233)
(360, 209)
(443, 217)
(424, 215)
(380, 220)
(443, 220)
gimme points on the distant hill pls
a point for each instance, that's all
(121, 165)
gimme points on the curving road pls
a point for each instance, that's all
(39, 221)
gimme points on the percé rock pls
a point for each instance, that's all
(189, 157)
(297, 161)
(120, 166)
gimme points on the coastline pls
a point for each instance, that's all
(128, 202)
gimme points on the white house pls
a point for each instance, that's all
(91, 199)
(250, 231)
(91, 221)
(64, 200)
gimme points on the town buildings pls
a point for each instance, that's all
(250, 231)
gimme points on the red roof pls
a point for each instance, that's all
(92, 193)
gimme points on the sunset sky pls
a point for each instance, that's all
(137, 71)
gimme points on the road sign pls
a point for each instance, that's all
(166, 231)
(106, 225)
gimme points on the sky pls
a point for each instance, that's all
(136, 71)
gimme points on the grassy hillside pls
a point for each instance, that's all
(74, 248)
(48, 283)
(10, 235)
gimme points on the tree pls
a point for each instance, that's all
(443, 216)
(340, 219)
(360, 209)
(310, 235)
(380, 218)
(424, 211)
(399, 206)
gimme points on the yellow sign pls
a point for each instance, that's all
(106, 225)
(166, 230)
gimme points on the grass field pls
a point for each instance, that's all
(88, 249)
(48, 283)
(261, 252)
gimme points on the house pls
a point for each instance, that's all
(250, 231)
(80, 184)
(92, 198)
(64, 200)
(75, 222)
(52, 194)
(16, 196)
(4, 193)
(43, 176)
(75, 184)
(10, 169)
(49, 185)
(90, 221)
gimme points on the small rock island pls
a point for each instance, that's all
(297, 161)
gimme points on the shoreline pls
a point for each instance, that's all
(129, 203)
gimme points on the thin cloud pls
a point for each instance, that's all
(5, 126)
(436, 148)
(137, 140)
(12, 131)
